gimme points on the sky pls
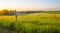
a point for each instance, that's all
(23, 5)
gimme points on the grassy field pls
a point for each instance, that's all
(31, 23)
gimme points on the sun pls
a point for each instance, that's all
(1, 7)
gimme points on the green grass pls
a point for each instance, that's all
(32, 23)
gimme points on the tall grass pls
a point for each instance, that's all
(31, 23)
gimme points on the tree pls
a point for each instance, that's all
(11, 12)
(4, 12)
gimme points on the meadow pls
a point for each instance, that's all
(31, 23)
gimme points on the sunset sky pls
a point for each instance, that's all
(30, 4)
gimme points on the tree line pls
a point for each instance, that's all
(6, 12)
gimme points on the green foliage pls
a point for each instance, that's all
(32, 23)
(11, 12)
(6, 12)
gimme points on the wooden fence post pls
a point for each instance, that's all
(16, 19)
(15, 14)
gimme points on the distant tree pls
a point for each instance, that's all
(11, 12)
(4, 12)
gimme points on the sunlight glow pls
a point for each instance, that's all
(1, 7)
